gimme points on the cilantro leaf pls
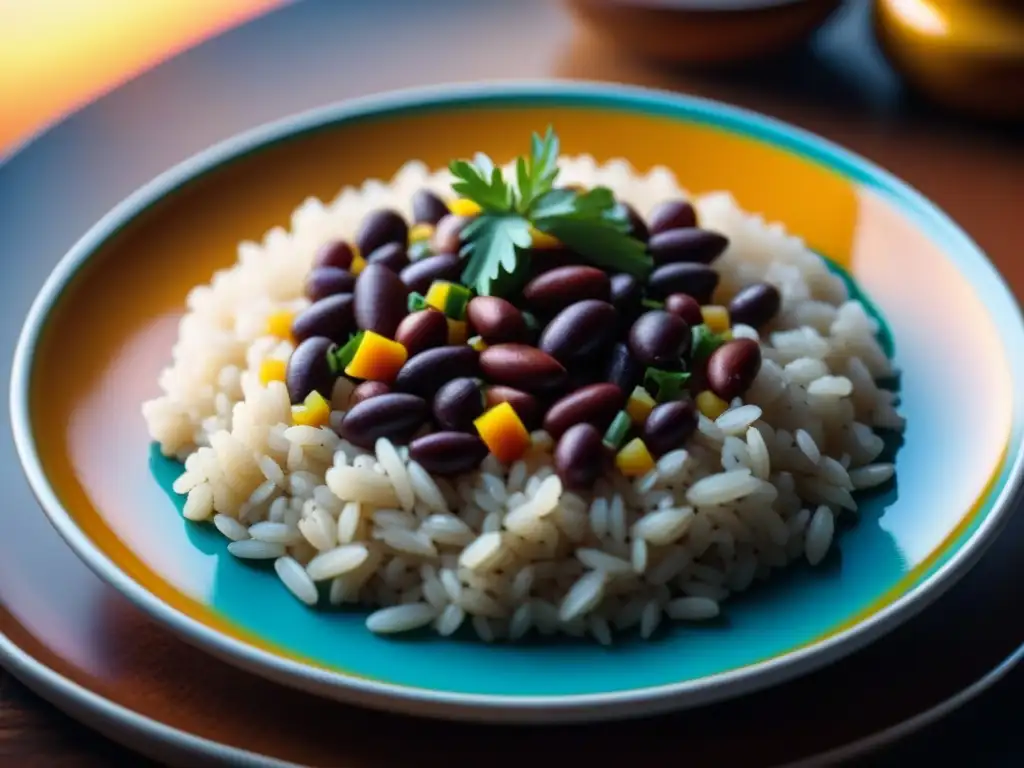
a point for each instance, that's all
(601, 242)
(482, 183)
(704, 341)
(492, 252)
(537, 175)
(669, 385)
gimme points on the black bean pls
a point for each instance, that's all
(637, 227)
(458, 403)
(521, 366)
(579, 330)
(659, 338)
(427, 208)
(686, 307)
(392, 255)
(332, 317)
(697, 246)
(672, 214)
(732, 368)
(420, 274)
(623, 369)
(367, 389)
(558, 288)
(422, 330)
(496, 320)
(423, 374)
(697, 280)
(523, 403)
(755, 305)
(379, 228)
(336, 253)
(448, 233)
(328, 281)
(580, 456)
(626, 291)
(394, 415)
(380, 300)
(669, 426)
(308, 369)
(448, 453)
(594, 404)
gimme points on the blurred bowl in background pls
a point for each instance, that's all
(702, 32)
(964, 54)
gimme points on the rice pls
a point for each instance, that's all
(505, 551)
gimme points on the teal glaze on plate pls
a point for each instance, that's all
(914, 538)
(796, 604)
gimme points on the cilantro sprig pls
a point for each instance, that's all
(591, 223)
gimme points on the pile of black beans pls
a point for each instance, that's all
(565, 351)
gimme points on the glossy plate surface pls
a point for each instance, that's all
(958, 342)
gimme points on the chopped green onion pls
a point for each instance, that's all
(705, 341)
(531, 321)
(616, 434)
(652, 304)
(417, 302)
(456, 301)
(668, 385)
(339, 359)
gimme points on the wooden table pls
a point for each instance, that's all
(838, 87)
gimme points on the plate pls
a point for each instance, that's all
(85, 450)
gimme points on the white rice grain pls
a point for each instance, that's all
(296, 579)
(401, 618)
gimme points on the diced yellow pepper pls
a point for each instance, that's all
(716, 317)
(503, 433)
(420, 232)
(377, 358)
(463, 206)
(477, 343)
(437, 294)
(272, 369)
(358, 262)
(314, 411)
(458, 331)
(279, 324)
(634, 460)
(710, 404)
(640, 405)
(541, 240)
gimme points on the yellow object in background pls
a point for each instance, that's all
(56, 55)
(966, 54)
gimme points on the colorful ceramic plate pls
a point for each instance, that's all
(108, 315)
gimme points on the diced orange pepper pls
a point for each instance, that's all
(358, 262)
(542, 240)
(503, 433)
(377, 358)
(279, 324)
(458, 331)
(272, 369)
(314, 411)
(710, 404)
(634, 460)
(463, 206)
(420, 232)
(437, 294)
(640, 405)
(716, 317)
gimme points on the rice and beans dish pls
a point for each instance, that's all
(552, 397)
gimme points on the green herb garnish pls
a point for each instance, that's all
(417, 301)
(590, 223)
(617, 431)
(532, 323)
(704, 341)
(652, 304)
(455, 302)
(338, 358)
(667, 385)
